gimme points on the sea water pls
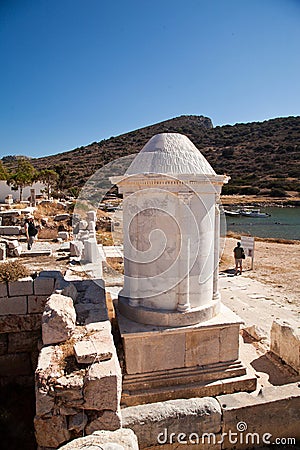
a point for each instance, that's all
(283, 223)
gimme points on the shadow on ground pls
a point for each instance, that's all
(279, 373)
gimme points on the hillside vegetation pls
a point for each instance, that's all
(260, 157)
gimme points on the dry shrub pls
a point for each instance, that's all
(13, 271)
(115, 264)
(105, 238)
(232, 234)
(48, 210)
(48, 233)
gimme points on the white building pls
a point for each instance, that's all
(6, 190)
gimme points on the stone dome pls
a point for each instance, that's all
(170, 153)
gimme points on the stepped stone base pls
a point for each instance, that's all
(208, 381)
(193, 361)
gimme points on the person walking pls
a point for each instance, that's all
(31, 231)
(239, 255)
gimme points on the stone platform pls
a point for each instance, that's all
(167, 363)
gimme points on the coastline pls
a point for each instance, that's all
(260, 200)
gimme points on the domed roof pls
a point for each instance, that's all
(170, 153)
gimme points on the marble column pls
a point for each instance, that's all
(216, 293)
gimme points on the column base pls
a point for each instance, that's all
(167, 318)
(165, 363)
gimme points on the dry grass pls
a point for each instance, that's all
(48, 209)
(232, 234)
(13, 271)
(48, 233)
(116, 265)
(257, 199)
(105, 238)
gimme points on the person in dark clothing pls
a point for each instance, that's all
(239, 255)
(31, 231)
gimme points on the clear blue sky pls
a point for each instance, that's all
(77, 71)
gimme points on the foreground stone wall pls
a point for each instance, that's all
(21, 307)
(240, 421)
(122, 439)
(78, 381)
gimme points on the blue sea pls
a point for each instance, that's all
(283, 223)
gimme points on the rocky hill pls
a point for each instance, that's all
(260, 157)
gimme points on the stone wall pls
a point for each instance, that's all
(78, 381)
(241, 421)
(21, 306)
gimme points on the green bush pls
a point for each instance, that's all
(277, 192)
(13, 271)
(230, 190)
(249, 190)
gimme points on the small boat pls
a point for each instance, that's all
(247, 212)
(231, 213)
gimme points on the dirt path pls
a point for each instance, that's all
(276, 265)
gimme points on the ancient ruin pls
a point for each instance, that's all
(170, 304)
(166, 364)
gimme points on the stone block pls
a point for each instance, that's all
(65, 288)
(10, 230)
(229, 343)
(13, 365)
(13, 244)
(95, 293)
(255, 332)
(202, 347)
(67, 410)
(60, 217)
(83, 225)
(25, 322)
(36, 303)
(122, 438)
(64, 235)
(285, 343)
(2, 252)
(58, 320)
(21, 287)
(154, 423)
(91, 225)
(91, 216)
(259, 420)
(51, 274)
(24, 341)
(77, 422)
(103, 386)
(3, 290)
(167, 352)
(45, 362)
(76, 248)
(99, 347)
(3, 343)
(106, 420)
(13, 306)
(68, 390)
(44, 403)
(43, 286)
(17, 251)
(51, 432)
(91, 251)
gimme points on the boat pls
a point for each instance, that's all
(250, 212)
(231, 213)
